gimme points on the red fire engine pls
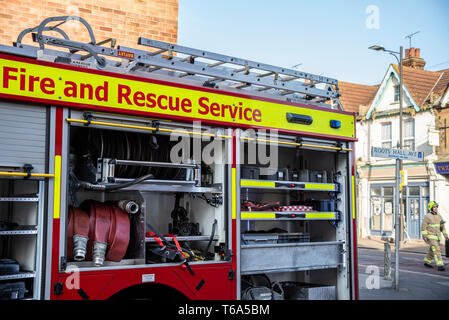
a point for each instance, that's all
(170, 171)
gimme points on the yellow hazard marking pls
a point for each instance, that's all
(257, 215)
(317, 186)
(320, 215)
(257, 183)
(57, 188)
(234, 194)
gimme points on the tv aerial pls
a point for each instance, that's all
(410, 37)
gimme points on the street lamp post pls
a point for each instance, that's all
(398, 216)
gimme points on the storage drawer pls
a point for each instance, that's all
(290, 256)
(259, 238)
(307, 291)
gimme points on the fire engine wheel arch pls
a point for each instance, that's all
(149, 291)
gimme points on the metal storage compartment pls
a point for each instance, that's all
(290, 256)
(12, 290)
(307, 291)
(294, 237)
(259, 238)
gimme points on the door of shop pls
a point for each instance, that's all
(417, 199)
(382, 217)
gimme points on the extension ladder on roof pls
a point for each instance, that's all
(212, 69)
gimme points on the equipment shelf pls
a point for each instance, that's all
(20, 275)
(20, 230)
(277, 215)
(172, 186)
(184, 238)
(24, 198)
(287, 185)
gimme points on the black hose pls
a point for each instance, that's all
(214, 226)
(129, 183)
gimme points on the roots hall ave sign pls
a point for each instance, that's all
(401, 154)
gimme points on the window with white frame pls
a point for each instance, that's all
(386, 134)
(409, 134)
(396, 93)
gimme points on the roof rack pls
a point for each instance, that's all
(212, 69)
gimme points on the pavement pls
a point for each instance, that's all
(416, 282)
(415, 246)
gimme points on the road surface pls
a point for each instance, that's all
(416, 282)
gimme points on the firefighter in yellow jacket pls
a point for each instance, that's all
(432, 226)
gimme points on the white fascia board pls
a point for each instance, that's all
(391, 72)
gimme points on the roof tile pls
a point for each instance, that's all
(419, 82)
(354, 95)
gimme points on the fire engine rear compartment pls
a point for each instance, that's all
(320, 259)
(186, 201)
(296, 248)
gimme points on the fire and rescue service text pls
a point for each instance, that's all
(124, 96)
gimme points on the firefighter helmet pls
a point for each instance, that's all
(432, 204)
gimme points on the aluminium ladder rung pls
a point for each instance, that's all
(237, 61)
(262, 77)
(204, 69)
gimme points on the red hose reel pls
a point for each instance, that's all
(103, 234)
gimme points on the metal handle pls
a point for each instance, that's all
(24, 174)
(64, 19)
(30, 30)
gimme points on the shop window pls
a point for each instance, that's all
(425, 191)
(388, 191)
(413, 191)
(375, 191)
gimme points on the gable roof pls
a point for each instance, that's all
(391, 73)
(354, 95)
(420, 83)
(418, 86)
(443, 83)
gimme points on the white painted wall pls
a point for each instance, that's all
(369, 134)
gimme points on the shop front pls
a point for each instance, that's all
(415, 200)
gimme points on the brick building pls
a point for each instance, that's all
(425, 129)
(122, 20)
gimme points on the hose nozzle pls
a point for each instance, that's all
(99, 253)
(79, 247)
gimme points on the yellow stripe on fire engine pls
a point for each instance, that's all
(257, 183)
(113, 92)
(57, 188)
(320, 215)
(234, 194)
(257, 215)
(318, 186)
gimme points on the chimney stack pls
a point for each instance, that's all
(412, 59)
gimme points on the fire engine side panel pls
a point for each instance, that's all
(115, 280)
(22, 135)
(54, 200)
(210, 282)
(197, 103)
(353, 226)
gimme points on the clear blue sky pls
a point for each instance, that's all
(328, 37)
